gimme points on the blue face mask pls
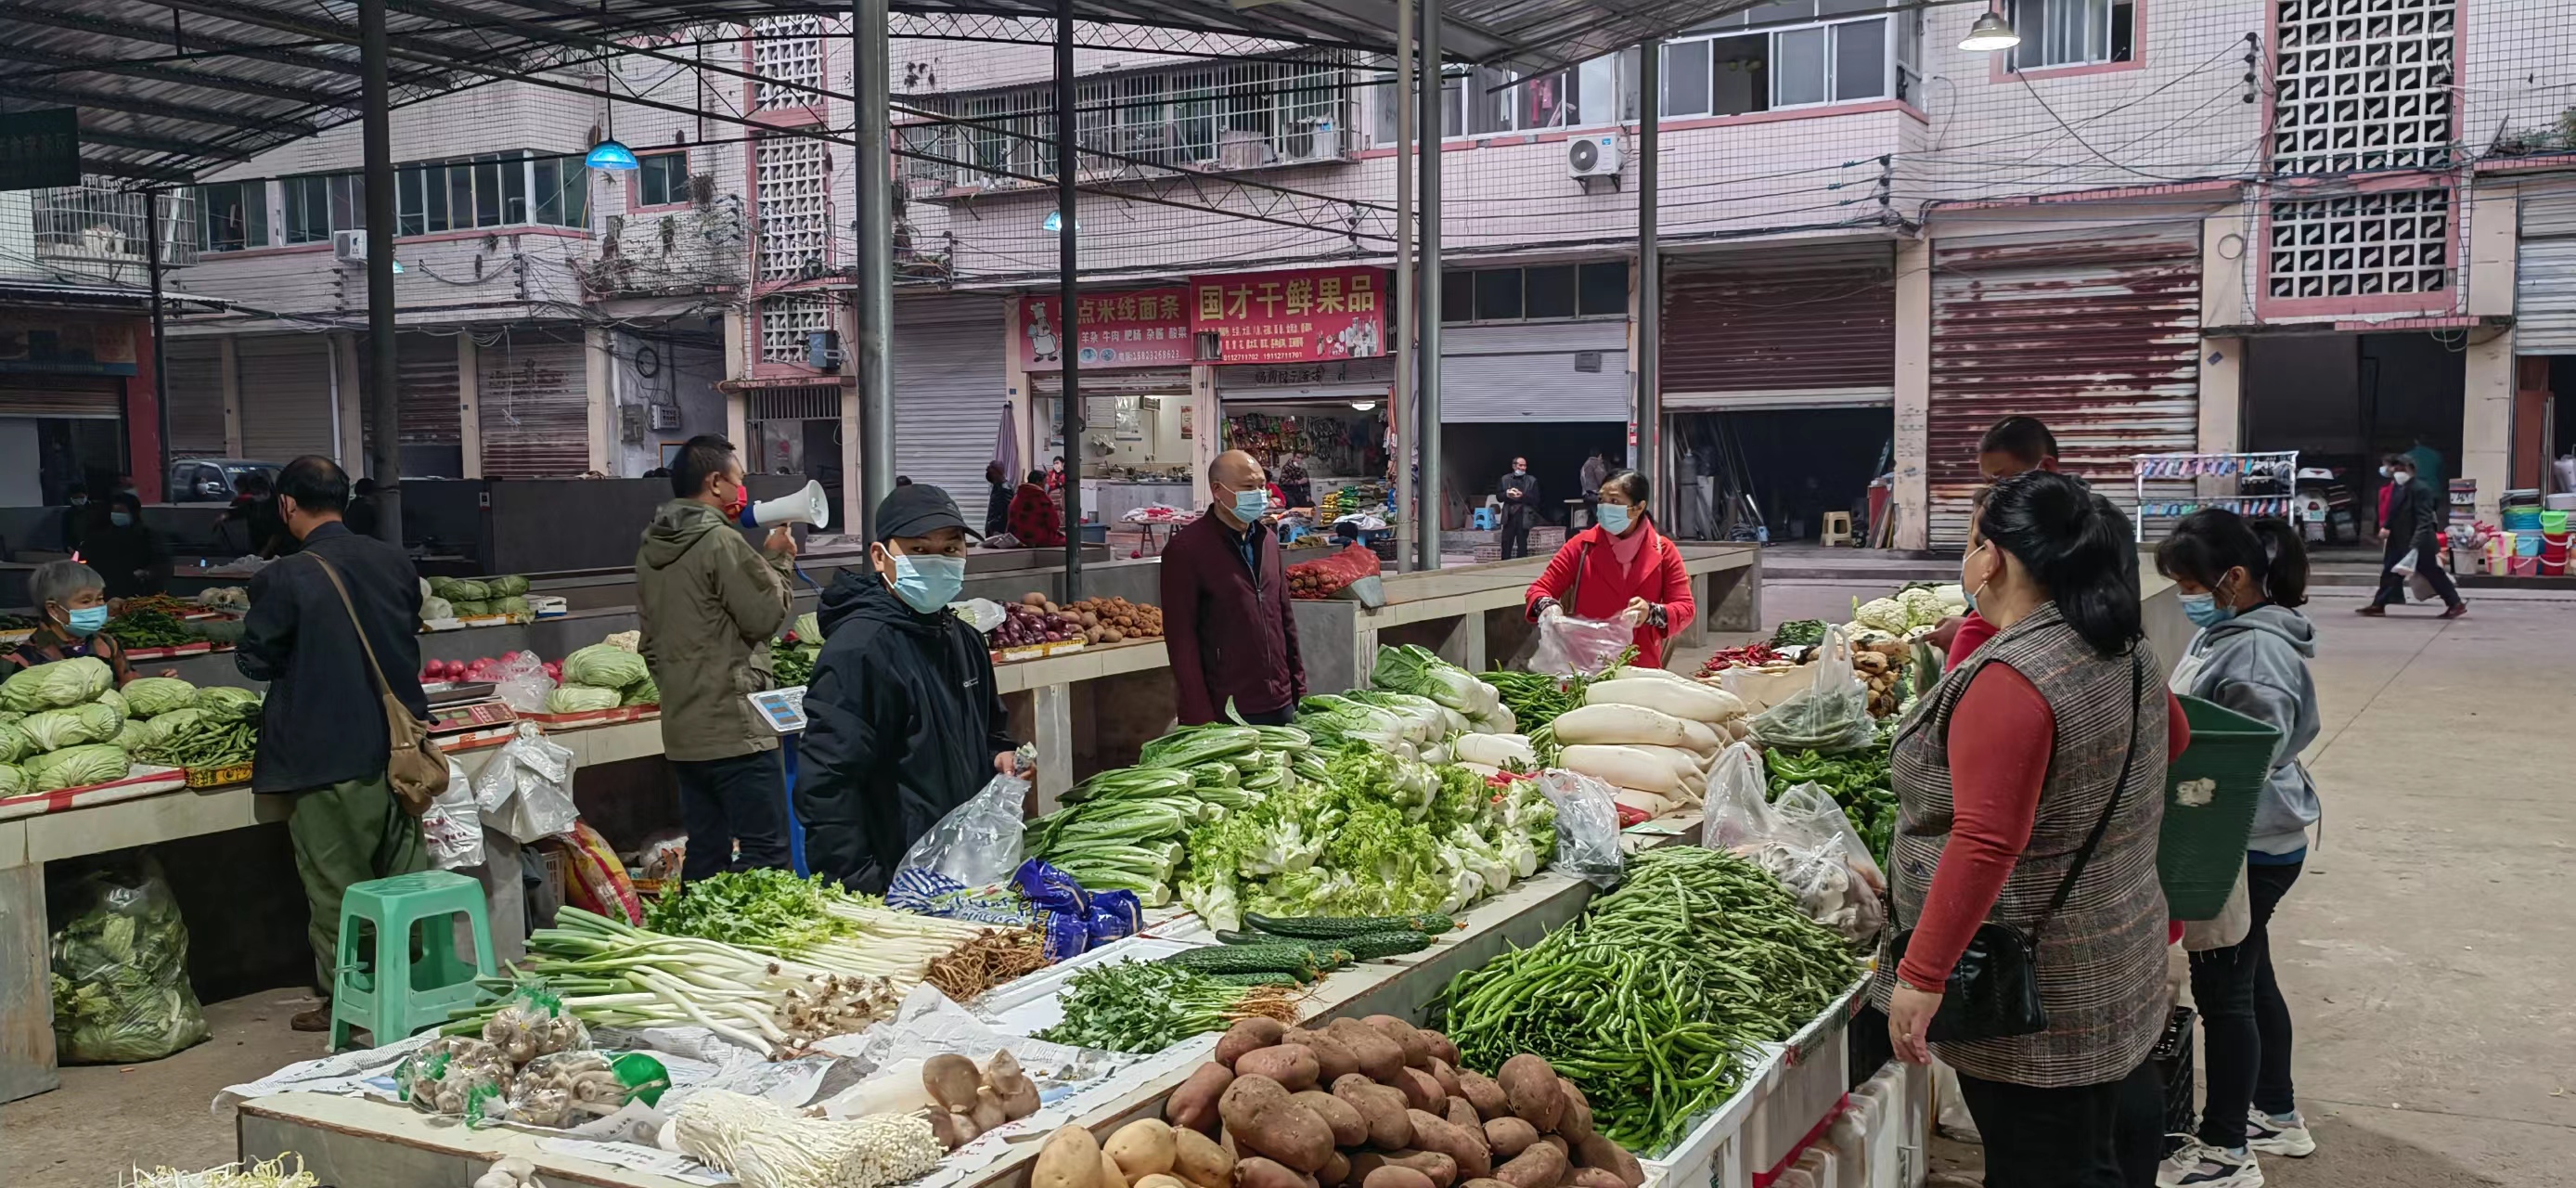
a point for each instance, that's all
(2203, 610)
(85, 621)
(121, 519)
(1614, 518)
(1251, 505)
(928, 583)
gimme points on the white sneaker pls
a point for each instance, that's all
(2285, 1135)
(2198, 1165)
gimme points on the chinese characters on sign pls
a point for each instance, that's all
(1129, 328)
(40, 149)
(1305, 316)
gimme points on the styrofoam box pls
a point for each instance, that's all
(1712, 1154)
(1814, 1071)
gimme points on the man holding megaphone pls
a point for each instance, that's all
(709, 606)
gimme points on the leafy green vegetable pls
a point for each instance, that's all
(569, 698)
(56, 729)
(1806, 633)
(145, 627)
(605, 666)
(120, 971)
(116, 701)
(133, 736)
(13, 779)
(645, 693)
(55, 685)
(151, 697)
(509, 585)
(14, 743)
(1139, 1006)
(78, 767)
(224, 696)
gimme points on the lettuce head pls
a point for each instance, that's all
(580, 699)
(151, 697)
(604, 666)
(78, 767)
(53, 686)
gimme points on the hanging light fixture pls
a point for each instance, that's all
(1364, 405)
(1055, 222)
(1991, 32)
(611, 155)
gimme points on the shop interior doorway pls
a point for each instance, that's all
(1772, 474)
(1474, 457)
(2343, 401)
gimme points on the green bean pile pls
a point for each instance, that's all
(1654, 998)
(218, 736)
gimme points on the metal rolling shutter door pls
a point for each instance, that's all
(2097, 337)
(83, 397)
(425, 371)
(949, 392)
(1825, 323)
(286, 397)
(2544, 302)
(534, 408)
(196, 385)
(1512, 373)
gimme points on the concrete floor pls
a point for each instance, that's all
(2425, 950)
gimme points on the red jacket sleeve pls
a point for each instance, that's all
(2001, 738)
(1974, 631)
(1556, 579)
(1180, 582)
(1679, 607)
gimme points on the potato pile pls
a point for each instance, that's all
(1374, 1103)
(1092, 620)
(1882, 667)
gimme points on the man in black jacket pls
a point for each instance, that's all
(902, 720)
(1519, 493)
(2416, 514)
(322, 728)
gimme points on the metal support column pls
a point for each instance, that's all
(160, 357)
(1427, 293)
(876, 257)
(1408, 433)
(383, 403)
(1650, 275)
(1068, 302)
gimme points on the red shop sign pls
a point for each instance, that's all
(1129, 328)
(1308, 315)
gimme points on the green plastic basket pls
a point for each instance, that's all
(2210, 795)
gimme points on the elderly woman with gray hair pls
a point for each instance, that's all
(72, 600)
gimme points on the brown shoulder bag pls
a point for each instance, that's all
(415, 767)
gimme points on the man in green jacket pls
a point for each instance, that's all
(710, 605)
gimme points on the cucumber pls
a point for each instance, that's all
(1337, 927)
(1231, 959)
(1369, 946)
(1255, 979)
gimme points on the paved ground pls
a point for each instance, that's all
(2426, 950)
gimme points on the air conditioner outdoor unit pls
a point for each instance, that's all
(1592, 156)
(349, 247)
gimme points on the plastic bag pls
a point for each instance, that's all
(662, 855)
(528, 784)
(594, 880)
(1326, 576)
(531, 1022)
(1037, 896)
(1832, 716)
(454, 1075)
(520, 681)
(1822, 860)
(1568, 646)
(453, 825)
(978, 842)
(1587, 826)
(1813, 811)
(563, 1089)
(982, 614)
(2405, 566)
(120, 970)
(1737, 811)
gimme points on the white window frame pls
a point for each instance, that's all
(2049, 29)
(411, 182)
(259, 229)
(340, 193)
(1891, 42)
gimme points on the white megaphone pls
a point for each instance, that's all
(803, 507)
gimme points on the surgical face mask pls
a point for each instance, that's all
(741, 500)
(1251, 505)
(1614, 518)
(121, 519)
(86, 620)
(2203, 610)
(928, 583)
(1968, 591)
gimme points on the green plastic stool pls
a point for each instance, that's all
(401, 994)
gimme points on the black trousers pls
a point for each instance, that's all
(724, 801)
(2084, 1136)
(2428, 561)
(1285, 715)
(1516, 529)
(2245, 1021)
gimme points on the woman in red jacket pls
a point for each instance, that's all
(1620, 566)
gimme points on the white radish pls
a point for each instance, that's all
(1628, 767)
(1681, 697)
(1702, 737)
(1615, 723)
(1493, 750)
(1644, 802)
(1687, 765)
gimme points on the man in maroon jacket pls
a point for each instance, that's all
(1226, 619)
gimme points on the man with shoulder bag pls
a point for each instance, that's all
(334, 632)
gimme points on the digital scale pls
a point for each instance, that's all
(468, 715)
(782, 710)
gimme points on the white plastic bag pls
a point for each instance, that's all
(529, 781)
(2405, 566)
(1735, 810)
(979, 843)
(1587, 826)
(1831, 716)
(1568, 646)
(453, 826)
(521, 682)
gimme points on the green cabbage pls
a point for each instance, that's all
(14, 743)
(170, 725)
(644, 693)
(516, 604)
(13, 779)
(56, 729)
(78, 767)
(151, 697)
(12, 715)
(605, 666)
(433, 609)
(580, 699)
(466, 590)
(471, 608)
(214, 696)
(134, 735)
(509, 585)
(52, 686)
(114, 698)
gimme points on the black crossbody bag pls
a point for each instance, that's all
(1993, 992)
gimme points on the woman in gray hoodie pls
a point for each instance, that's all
(2242, 581)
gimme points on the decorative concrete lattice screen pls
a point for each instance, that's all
(789, 50)
(2362, 85)
(794, 187)
(785, 320)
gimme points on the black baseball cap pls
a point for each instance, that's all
(919, 509)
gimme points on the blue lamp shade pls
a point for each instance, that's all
(1055, 221)
(611, 155)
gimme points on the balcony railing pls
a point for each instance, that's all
(101, 230)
